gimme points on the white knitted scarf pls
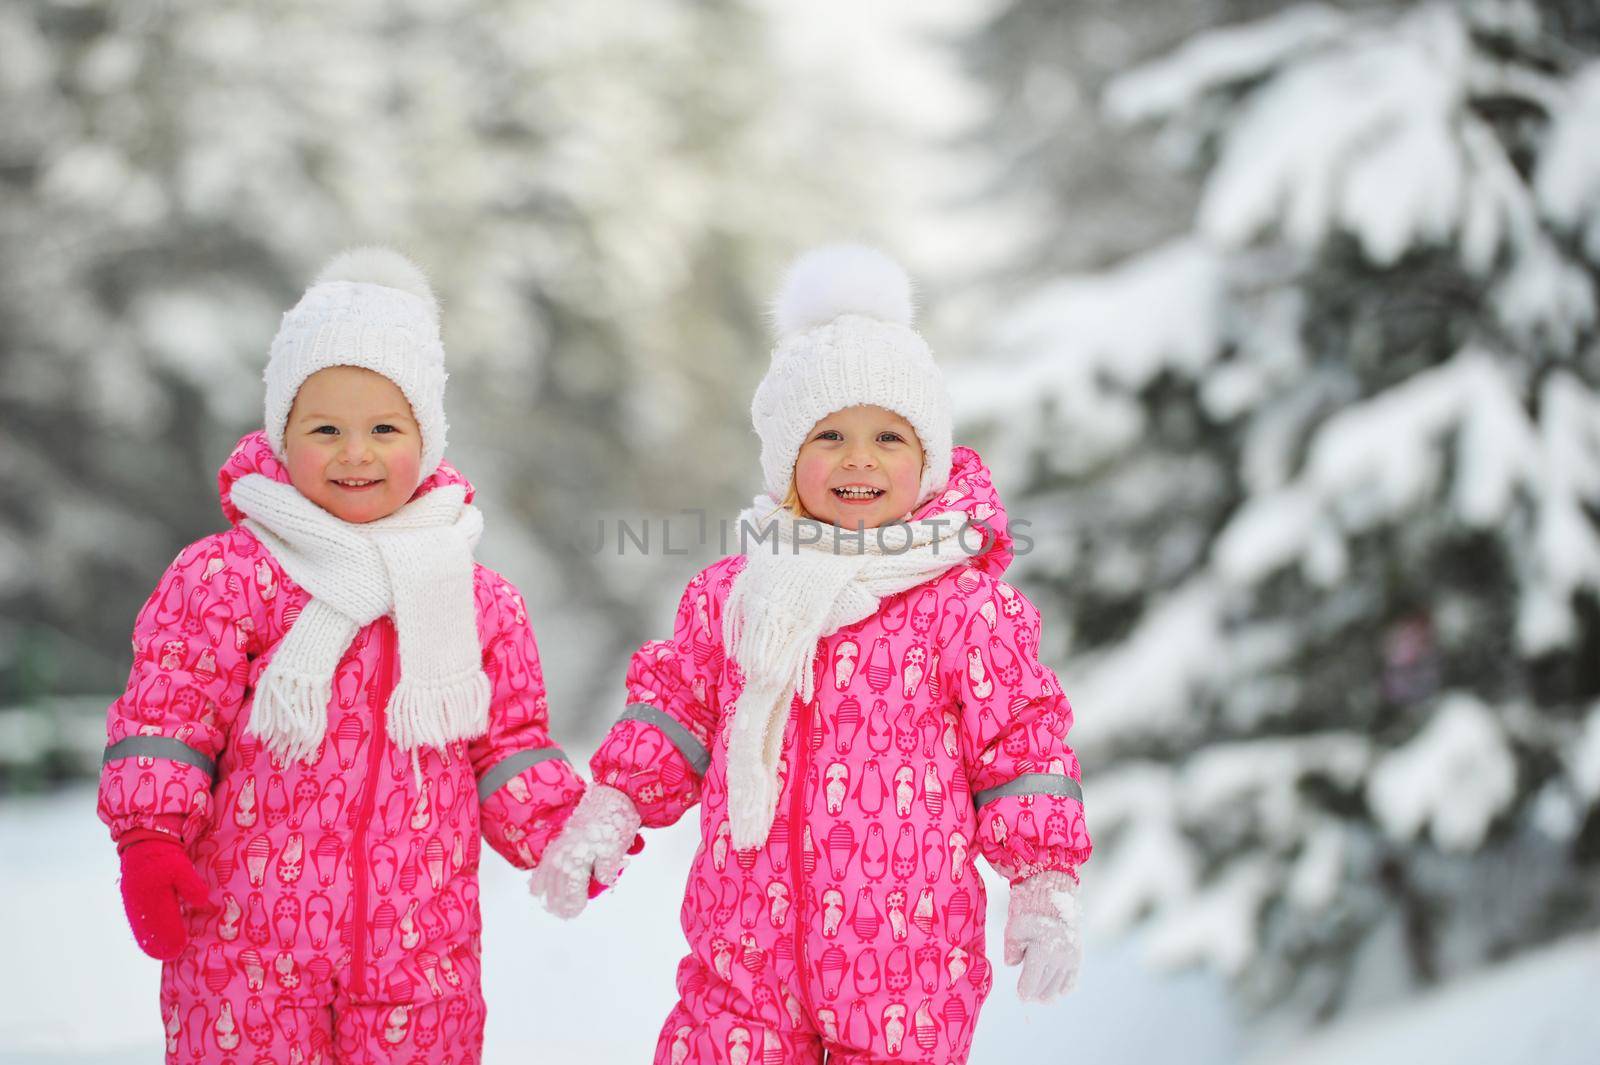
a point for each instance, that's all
(415, 564)
(795, 589)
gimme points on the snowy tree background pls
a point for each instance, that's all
(596, 196)
(1316, 474)
(1277, 322)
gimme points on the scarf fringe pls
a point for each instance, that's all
(757, 738)
(290, 714)
(435, 713)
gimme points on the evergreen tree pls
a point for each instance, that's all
(1315, 487)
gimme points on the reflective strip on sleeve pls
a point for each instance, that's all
(500, 774)
(693, 751)
(1032, 784)
(159, 747)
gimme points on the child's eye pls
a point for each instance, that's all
(326, 430)
(384, 429)
(829, 434)
(889, 436)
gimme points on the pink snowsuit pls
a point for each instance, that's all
(346, 922)
(935, 734)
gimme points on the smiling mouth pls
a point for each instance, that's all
(857, 493)
(357, 483)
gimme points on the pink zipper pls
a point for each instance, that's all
(369, 799)
(797, 827)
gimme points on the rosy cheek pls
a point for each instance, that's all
(811, 479)
(403, 471)
(305, 469)
(907, 477)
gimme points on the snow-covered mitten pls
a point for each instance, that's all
(1042, 935)
(157, 876)
(589, 853)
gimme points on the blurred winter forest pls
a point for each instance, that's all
(1278, 322)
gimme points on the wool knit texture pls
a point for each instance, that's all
(1042, 935)
(834, 361)
(373, 326)
(415, 564)
(791, 593)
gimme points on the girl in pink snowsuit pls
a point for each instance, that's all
(856, 725)
(329, 703)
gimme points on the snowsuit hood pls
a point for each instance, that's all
(971, 490)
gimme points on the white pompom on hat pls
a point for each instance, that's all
(844, 338)
(372, 308)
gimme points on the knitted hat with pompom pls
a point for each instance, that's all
(845, 339)
(372, 308)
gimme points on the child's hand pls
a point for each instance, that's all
(589, 854)
(157, 879)
(1042, 935)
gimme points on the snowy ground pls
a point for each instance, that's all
(74, 988)
(1534, 1010)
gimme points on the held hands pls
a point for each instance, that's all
(1042, 935)
(589, 853)
(158, 879)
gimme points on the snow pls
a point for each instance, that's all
(1363, 128)
(210, 337)
(1145, 684)
(1376, 461)
(1276, 428)
(1263, 777)
(1228, 54)
(1104, 319)
(1373, 115)
(1544, 296)
(1452, 779)
(1362, 204)
(1081, 344)
(1538, 1008)
(1568, 177)
(1326, 123)
(1566, 555)
(1161, 819)
(1084, 346)
(1584, 759)
(1152, 864)
(1315, 879)
(1268, 531)
(1217, 926)
(593, 990)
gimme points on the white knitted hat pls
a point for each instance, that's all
(372, 308)
(845, 338)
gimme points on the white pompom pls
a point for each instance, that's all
(376, 265)
(842, 279)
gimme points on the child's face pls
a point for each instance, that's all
(352, 446)
(859, 447)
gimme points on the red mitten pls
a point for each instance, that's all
(156, 877)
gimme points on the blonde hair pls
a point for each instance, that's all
(791, 501)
